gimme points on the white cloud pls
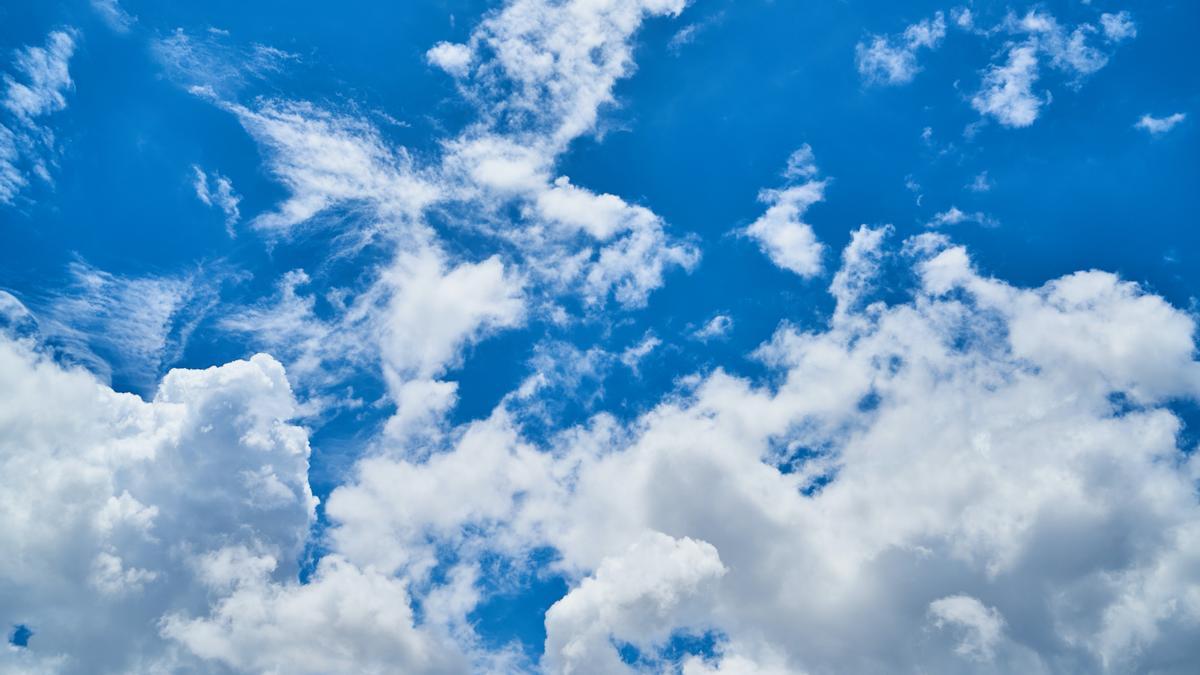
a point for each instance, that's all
(954, 216)
(207, 61)
(717, 327)
(131, 326)
(343, 620)
(982, 627)
(637, 597)
(1006, 92)
(893, 60)
(38, 90)
(117, 18)
(787, 240)
(119, 498)
(635, 354)
(860, 266)
(1118, 26)
(433, 311)
(46, 78)
(1160, 125)
(981, 183)
(992, 458)
(452, 58)
(220, 195)
(327, 161)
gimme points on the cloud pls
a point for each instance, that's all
(39, 89)
(717, 327)
(117, 18)
(132, 327)
(787, 240)
(207, 61)
(1006, 92)
(219, 195)
(1118, 26)
(982, 627)
(638, 597)
(954, 216)
(981, 183)
(328, 161)
(635, 354)
(1160, 125)
(45, 75)
(893, 60)
(121, 500)
(452, 58)
(1033, 471)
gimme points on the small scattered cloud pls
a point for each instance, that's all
(1007, 91)
(1118, 26)
(692, 31)
(716, 328)
(954, 216)
(217, 191)
(980, 183)
(780, 232)
(633, 355)
(892, 60)
(1160, 125)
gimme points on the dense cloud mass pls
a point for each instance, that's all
(981, 478)
(929, 470)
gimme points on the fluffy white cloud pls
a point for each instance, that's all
(787, 240)
(1007, 91)
(893, 61)
(914, 465)
(637, 597)
(1160, 125)
(342, 620)
(120, 499)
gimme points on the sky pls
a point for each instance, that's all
(599, 336)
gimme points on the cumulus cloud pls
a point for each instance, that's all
(787, 240)
(1160, 125)
(638, 597)
(1047, 457)
(122, 500)
(893, 60)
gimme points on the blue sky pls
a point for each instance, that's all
(585, 325)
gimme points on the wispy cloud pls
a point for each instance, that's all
(38, 89)
(892, 60)
(1160, 125)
